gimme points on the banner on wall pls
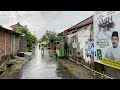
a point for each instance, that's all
(107, 38)
(85, 40)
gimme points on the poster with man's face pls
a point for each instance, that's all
(107, 38)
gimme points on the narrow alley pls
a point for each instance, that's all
(43, 67)
(77, 45)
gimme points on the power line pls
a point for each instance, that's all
(21, 18)
(26, 24)
(53, 18)
(18, 15)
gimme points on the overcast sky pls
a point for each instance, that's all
(39, 21)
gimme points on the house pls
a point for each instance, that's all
(78, 37)
(16, 26)
(9, 43)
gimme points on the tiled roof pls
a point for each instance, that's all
(16, 25)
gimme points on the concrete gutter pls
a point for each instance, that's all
(94, 73)
(18, 63)
(105, 76)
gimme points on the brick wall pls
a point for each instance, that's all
(2, 42)
(8, 43)
(13, 44)
(7, 47)
(17, 43)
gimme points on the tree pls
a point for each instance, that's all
(48, 37)
(29, 36)
(51, 35)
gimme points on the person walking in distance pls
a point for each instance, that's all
(42, 48)
(39, 46)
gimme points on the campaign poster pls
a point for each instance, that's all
(107, 38)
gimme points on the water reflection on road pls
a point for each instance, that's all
(43, 67)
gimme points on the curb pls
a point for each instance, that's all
(78, 63)
(13, 76)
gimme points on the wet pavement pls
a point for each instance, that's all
(43, 67)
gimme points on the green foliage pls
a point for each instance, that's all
(30, 37)
(48, 36)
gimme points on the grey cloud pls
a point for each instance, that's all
(37, 20)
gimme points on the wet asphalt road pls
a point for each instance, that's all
(43, 67)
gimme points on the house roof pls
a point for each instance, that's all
(85, 22)
(9, 31)
(16, 25)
